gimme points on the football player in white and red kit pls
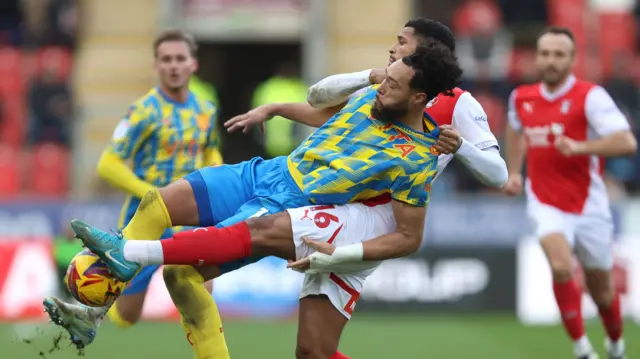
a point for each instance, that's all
(565, 125)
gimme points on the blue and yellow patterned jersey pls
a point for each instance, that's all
(355, 157)
(165, 140)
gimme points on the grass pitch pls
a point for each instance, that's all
(366, 337)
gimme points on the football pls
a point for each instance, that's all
(89, 281)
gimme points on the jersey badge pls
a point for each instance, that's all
(564, 108)
(432, 102)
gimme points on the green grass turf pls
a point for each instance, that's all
(366, 337)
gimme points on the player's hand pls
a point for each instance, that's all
(376, 76)
(257, 116)
(449, 140)
(514, 185)
(322, 251)
(568, 147)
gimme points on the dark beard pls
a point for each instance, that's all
(387, 114)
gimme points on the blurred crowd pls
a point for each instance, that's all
(496, 41)
(37, 38)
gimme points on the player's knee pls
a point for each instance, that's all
(312, 345)
(603, 298)
(172, 275)
(600, 287)
(311, 350)
(561, 269)
(272, 235)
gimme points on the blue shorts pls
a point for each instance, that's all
(229, 194)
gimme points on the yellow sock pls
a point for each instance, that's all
(150, 220)
(116, 318)
(199, 312)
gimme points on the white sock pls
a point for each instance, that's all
(616, 348)
(144, 252)
(582, 346)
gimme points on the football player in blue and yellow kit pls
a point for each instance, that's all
(376, 145)
(166, 134)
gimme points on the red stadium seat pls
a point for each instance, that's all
(522, 63)
(571, 14)
(616, 35)
(10, 169)
(49, 170)
(28, 67)
(14, 119)
(495, 111)
(57, 59)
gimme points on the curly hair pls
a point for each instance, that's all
(432, 29)
(436, 69)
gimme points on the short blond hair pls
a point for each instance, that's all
(175, 35)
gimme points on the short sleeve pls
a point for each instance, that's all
(602, 113)
(415, 189)
(132, 130)
(512, 113)
(472, 123)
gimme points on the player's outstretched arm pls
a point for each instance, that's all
(405, 240)
(486, 165)
(336, 89)
(298, 112)
(482, 159)
(115, 171)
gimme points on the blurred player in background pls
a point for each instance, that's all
(565, 125)
(167, 134)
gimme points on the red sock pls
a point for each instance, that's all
(339, 355)
(612, 319)
(205, 246)
(569, 299)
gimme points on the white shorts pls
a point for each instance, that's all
(339, 225)
(591, 236)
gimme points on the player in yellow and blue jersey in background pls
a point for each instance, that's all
(376, 145)
(166, 134)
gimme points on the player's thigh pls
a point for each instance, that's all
(594, 240)
(556, 232)
(220, 191)
(340, 225)
(251, 209)
(320, 326)
(271, 235)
